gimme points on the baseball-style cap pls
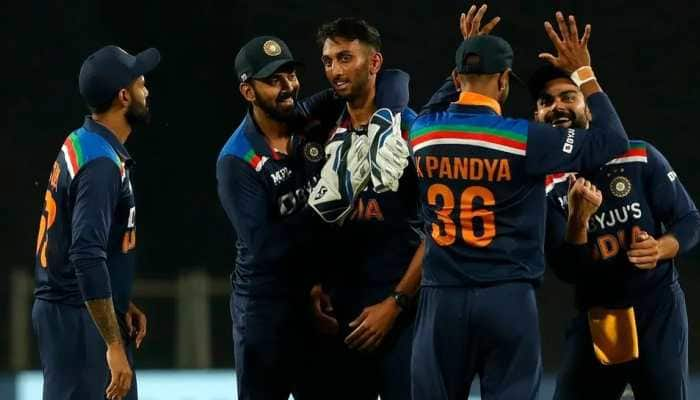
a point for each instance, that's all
(261, 57)
(494, 56)
(541, 76)
(108, 70)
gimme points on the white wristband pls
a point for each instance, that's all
(582, 75)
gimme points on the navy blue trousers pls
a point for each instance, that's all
(661, 372)
(73, 353)
(273, 344)
(349, 374)
(490, 331)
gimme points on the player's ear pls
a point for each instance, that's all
(456, 81)
(246, 89)
(503, 80)
(589, 116)
(375, 62)
(123, 97)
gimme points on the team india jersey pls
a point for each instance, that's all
(641, 192)
(481, 181)
(87, 234)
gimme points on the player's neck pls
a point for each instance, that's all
(270, 128)
(362, 107)
(115, 123)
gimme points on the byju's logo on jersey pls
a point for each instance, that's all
(620, 186)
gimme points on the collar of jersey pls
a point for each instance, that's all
(96, 127)
(257, 139)
(476, 99)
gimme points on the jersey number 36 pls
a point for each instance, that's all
(441, 198)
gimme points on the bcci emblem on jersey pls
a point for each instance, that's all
(620, 186)
(313, 152)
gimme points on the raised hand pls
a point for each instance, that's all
(572, 51)
(470, 23)
(583, 199)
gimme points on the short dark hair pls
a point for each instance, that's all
(350, 28)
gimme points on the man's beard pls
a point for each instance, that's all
(273, 109)
(138, 114)
(559, 118)
(358, 86)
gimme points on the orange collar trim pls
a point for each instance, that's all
(476, 99)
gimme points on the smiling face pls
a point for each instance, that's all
(561, 104)
(349, 66)
(275, 95)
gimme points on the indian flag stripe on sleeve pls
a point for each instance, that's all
(73, 154)
(636, 153)
(255, 160)
(496, 139)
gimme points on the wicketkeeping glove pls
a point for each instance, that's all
(388, 153)
(344, 175)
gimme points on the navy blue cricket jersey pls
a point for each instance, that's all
(641, 192)
(264, 193)
(87, 231)
(280, 241)
(379, 239)
(481, 179)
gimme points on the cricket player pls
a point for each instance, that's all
(364, 304)
(265, 172)
(83, 316)
(614, 235)
(481, 179)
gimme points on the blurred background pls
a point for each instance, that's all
(645, 58)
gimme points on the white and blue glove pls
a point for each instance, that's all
(388, 152)
(343, 176)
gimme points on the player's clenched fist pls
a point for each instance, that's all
(584, 198)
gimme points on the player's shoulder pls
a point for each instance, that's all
(408, 117)
(486, 126)
(638, 152)
(83, 146)
(239, 147)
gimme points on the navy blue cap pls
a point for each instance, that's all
(262, 57)
(493, 55)
(108, 70)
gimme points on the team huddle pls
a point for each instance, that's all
(440, 221)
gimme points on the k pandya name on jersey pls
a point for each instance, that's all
(464, 168)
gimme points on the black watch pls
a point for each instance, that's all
(403, 301)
